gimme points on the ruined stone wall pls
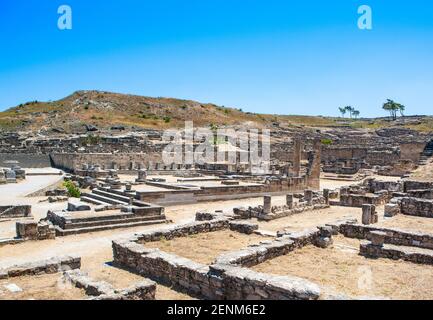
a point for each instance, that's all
(218, 281)
(412, 151)
(393, 236)
(27, 160)
(15, 211)
(417, 207)
(121, 161)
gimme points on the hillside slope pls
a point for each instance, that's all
(84, 109)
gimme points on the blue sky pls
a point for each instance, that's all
(285, 57)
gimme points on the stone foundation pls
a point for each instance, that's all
(53, 265)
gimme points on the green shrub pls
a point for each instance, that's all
(327, 142)
(73, 190)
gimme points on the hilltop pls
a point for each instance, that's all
(88, 110)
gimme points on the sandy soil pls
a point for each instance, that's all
(340, 269)
(410, 223)
(43, 287)
(424, 173)
(206, 247)
(311, 219)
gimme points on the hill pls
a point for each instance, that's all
(103, 110)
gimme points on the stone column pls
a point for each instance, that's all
(326, 196)
(289, 201)
(368, 212)
(297, 156)
(314, 166)
(142, 175)
(308, 196)
(267, 204)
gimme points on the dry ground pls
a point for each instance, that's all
(43, 287)
(409, 223)
(206, 247)
(424, 173)
(340, 269)
(311, 219)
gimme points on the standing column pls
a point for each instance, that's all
(267, 204)
(289, 201)
(297, 154)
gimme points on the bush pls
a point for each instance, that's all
(327, 142)
(73, 190)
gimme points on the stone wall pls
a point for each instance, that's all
(410, 185)
(222, 280)
(416, 207)
(101, 290)
(121, 161)
(53, 265)
(32, 230)
(27, 160)
(393, 236)
(395, 253)
(18, 211)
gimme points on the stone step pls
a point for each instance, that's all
(103, 199)
(110, 195)
(87, 224)
(61, 232)
(120, 196)
(92, 201)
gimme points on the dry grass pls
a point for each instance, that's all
(340, 269)
(43, 287)
(206, 247)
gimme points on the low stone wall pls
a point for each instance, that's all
(422, 194)
(266, 250)
(243, 226)
(32, 230)
(17, 211)
(395, 253)
(277, 212)
(417, 207)
(145, 290)
(184, 230)
(225, 279)
(410, 185)
(393, 236)
(378, 185)
(53, 265)
(358, 200)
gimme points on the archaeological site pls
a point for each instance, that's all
(207, 159)
(334, 213)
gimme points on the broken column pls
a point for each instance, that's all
(267, 204)
(377, 238)
(142, 175)
(326, 196)
(325, 238)
(289, 201)
(308, 197)
(369, 215)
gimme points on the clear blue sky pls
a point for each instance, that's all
(286, 57)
